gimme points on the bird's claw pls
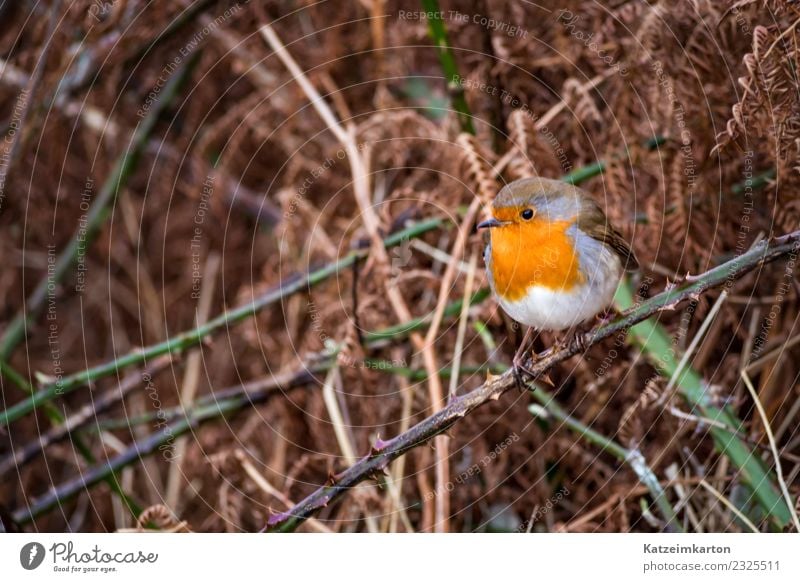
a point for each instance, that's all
(519, 369)
(579, 341)
(523, 374)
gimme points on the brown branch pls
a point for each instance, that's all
(58, 432)
(384, 452)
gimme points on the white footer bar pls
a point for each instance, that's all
(401, 557)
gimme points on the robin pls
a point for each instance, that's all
(553, 259)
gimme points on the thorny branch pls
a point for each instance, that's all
(384, 452)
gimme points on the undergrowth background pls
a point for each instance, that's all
(241, 186)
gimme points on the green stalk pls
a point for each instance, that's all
(402, 329)
(422, 432)
(658, 349)
(582, 174)
(106, 471)
(438, 32)
(418, 375)
(756, 183)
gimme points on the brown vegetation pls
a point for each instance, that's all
(244, 184)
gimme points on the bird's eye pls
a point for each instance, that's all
(526, 214)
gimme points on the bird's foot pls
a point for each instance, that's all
(522, 376)
(522, 373)
(607, 315)
(576, 339)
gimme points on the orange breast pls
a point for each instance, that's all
(535, 252)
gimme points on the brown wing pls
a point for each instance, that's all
(593, 222)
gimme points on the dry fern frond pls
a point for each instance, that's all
(162, 518)
(770, 104)
(676, 220)
(584, 108)
(532, 156)
(630, 427)
(479, 169)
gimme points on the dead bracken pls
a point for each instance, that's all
(333, 165)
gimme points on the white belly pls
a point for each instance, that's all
(544, 308)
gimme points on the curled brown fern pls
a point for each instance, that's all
(478, 168)
(630, 426)
(531, 155)
(769, 104)
(161, 517)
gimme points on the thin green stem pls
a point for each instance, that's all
(438, 32)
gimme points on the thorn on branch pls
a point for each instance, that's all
(378, 446)
(689, 278)
(330, 481)
(545, 379)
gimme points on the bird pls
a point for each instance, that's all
(553, 260)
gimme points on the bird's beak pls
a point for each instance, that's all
(491, 223)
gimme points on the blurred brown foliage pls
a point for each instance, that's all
(716, 79)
